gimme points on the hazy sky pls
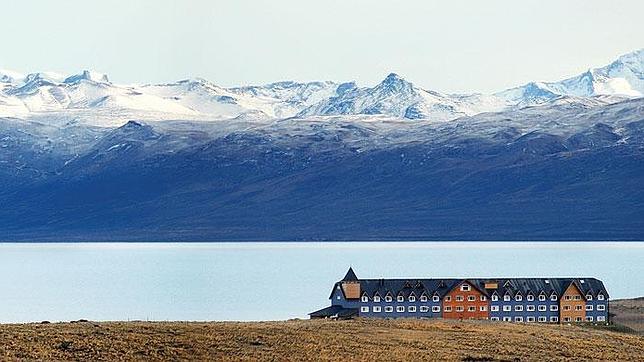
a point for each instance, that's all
(452, 46)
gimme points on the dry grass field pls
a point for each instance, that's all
(358, 340)
(629, 313)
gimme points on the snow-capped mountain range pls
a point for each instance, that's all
(90, 97)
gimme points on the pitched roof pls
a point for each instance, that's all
(334, 311)
(350, 276)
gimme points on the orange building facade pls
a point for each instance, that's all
(465, 301)
(572, 305)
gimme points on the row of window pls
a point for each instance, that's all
(554, 308)
(552, 319)
(471, 298)
(483, 308)
(400, 309)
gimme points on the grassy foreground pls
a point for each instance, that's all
(313, 340)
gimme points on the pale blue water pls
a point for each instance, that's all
(261, 281)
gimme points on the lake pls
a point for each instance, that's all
(267, 281)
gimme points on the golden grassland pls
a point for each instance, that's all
(353, 340)
(629, 313)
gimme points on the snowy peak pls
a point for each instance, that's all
(87, 75)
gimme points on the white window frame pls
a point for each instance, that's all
(471, 308)
(448, 298)
(542, 308)
(364, 309)
(507, 319)
(447, 309)
(589, 318)
(483, 298)
(388, 299)
(411, 309)
(589, 297)
(518, 297)
(377, 309)
(542, 319)
(376, 298)
(436, 298)
(518, 308)
(423, 298)
(424, 309)
(495, 298)
(530, 308)
(494, 308)
(459, 308)
(483, 308)
(459, 298)
(518, 319)
(507, 308)
(389, 309)
(507, 298)
(567, 319)
(471, 298)
(530, 298)
(579, 307)
(400, 309)
(554, 319)
(578, 319)
(601, 307)
(494, 319)
(542, 297)
(412, 298)
(530, 319)
(554, 308)
(365, 299)
(601, 318)
(600, 297)
(553, 297)
(436, 309)
(465, 288)
(400, 298)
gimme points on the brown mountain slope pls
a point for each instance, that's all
(315, 340)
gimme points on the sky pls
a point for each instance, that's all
(449, 46)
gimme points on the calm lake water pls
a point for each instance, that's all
(265, 281)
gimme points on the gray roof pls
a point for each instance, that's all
(512, 286)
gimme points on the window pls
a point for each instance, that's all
(518, 298)
(412, 298)
(566, 307)
(578, 319)
(577, 297)
(401, 298)
(554, 308)
(436, 309)
(364, 309)
(494, 308)
(411, 309)
(567, 297)
(495, 297)
(542, 308)
(465, 288)
(435, 298)
(423, 298)
(447, 309)
(542, 319)
(530, 319)
(589, 319)
(388, 298)
(507, 319)
(471, 298)
(589, 307)
(518, 308)
(589, 297)
(494, 319)
(459, 308)
(567, 319)
(507, 308)
(483, 298)
(376, 298)
(389, 309)
(400, 309)
(600, 297)
(530, 308)
(542, 297)
(601, 318)
(448, 299)
(518, 319)
(579, 307)
(365, 299)
(459, 298)
(424, 309)
(376, 309)
(530, 298)
(506, 297)
(554, 319)
(471, 308)
(553, 297)
(601, 307)
(483, 308)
